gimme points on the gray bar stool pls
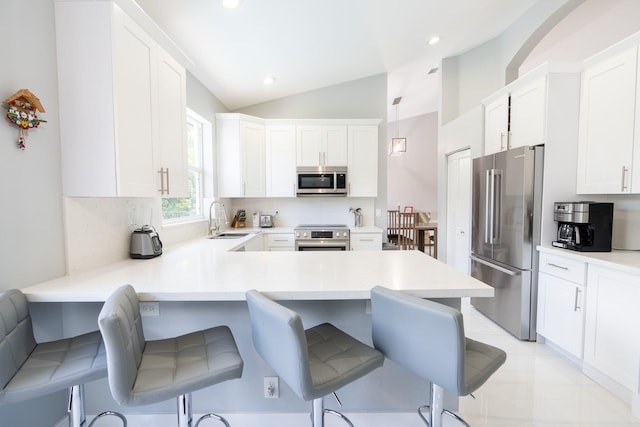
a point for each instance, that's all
(29, 369)
(428, 339)
(142, 372)
(315, 362)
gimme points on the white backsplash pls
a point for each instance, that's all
(97, 230)
(305, 210)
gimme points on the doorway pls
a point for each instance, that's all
(459, 209)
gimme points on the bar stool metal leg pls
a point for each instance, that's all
(436, 409)
(77, 415)
(184, 410)
(317, 412)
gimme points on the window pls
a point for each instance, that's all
(181, 209)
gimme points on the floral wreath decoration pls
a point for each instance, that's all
(23, 109)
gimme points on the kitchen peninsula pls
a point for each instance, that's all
(211, 270)
(202, 283)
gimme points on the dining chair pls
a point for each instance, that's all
(407, 237)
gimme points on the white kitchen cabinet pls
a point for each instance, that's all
(612, 344)
(362, 172)
(280, 242)
(561, 296)
(527, 115)
(496, 127)
(241, 156)
(321, 145)
(281, 160)
(122, 111)
(365, 241)
(608, 148)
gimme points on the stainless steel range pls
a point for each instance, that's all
(322, 237)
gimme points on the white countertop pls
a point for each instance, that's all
(205, 270)
(623, 260)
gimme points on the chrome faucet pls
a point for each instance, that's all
(215, 229)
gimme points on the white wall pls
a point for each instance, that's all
(412, 177)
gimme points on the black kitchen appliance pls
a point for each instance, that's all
(584, 226)
(145, 243)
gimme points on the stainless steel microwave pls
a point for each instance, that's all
(321, 181)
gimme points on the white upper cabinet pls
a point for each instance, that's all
(362, 172)
(527, 115)
(321, 145)
(496, 127)
(122, 106)
(241, 156)
(608, 149)
(281, 160)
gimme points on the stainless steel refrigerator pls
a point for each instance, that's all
(506, 218)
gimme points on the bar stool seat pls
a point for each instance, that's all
(30, 370)
(315, 362)
(428, 339)
(143, 372)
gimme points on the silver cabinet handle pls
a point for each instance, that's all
(164, 172)
(550, 264)
(167, 175)
(576, 307)
(509, 137)
(366, 240)
(501, 141)
(624, 173)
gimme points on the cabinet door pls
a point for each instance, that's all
(606, 139)
(253, 155)
(561, 312)
(366, 242)
(309, 145)
(612, 344)
(528, 115)
(281, 161)
(496, 121)
(363, 161)
(334, 145)
(134, 77)
(172, 119)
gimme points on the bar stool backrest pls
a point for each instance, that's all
(16, 334)
(423, 336)
(121, 327)
(279, 338)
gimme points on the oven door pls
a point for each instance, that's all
(321, 245)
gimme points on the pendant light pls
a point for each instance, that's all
(398, 146)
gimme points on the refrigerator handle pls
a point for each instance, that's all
(497, 199)
(487, 205)
(494, 266)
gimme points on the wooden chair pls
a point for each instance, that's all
(392, 226)
(407, 237)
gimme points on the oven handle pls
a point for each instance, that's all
(321, 244)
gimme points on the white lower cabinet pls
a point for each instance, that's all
(280, 242)
(365, 241)
(612, 341)
(561, 296)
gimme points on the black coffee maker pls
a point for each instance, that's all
(584, 226)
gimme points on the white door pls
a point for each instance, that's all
(458, 209)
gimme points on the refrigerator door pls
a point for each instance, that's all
(482, 219)
(510, 307)
(513, 207)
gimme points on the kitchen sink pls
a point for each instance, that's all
(229, 235)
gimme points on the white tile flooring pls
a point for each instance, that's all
(536, 387)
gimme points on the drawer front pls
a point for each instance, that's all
(280, 240)
(564, 268)
(371, 241)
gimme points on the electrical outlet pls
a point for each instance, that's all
(150, 309)
(271, 387)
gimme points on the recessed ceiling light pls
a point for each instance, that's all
(433, 40)
(269, 80)
(231, 4)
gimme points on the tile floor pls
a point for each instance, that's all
(536, 387)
